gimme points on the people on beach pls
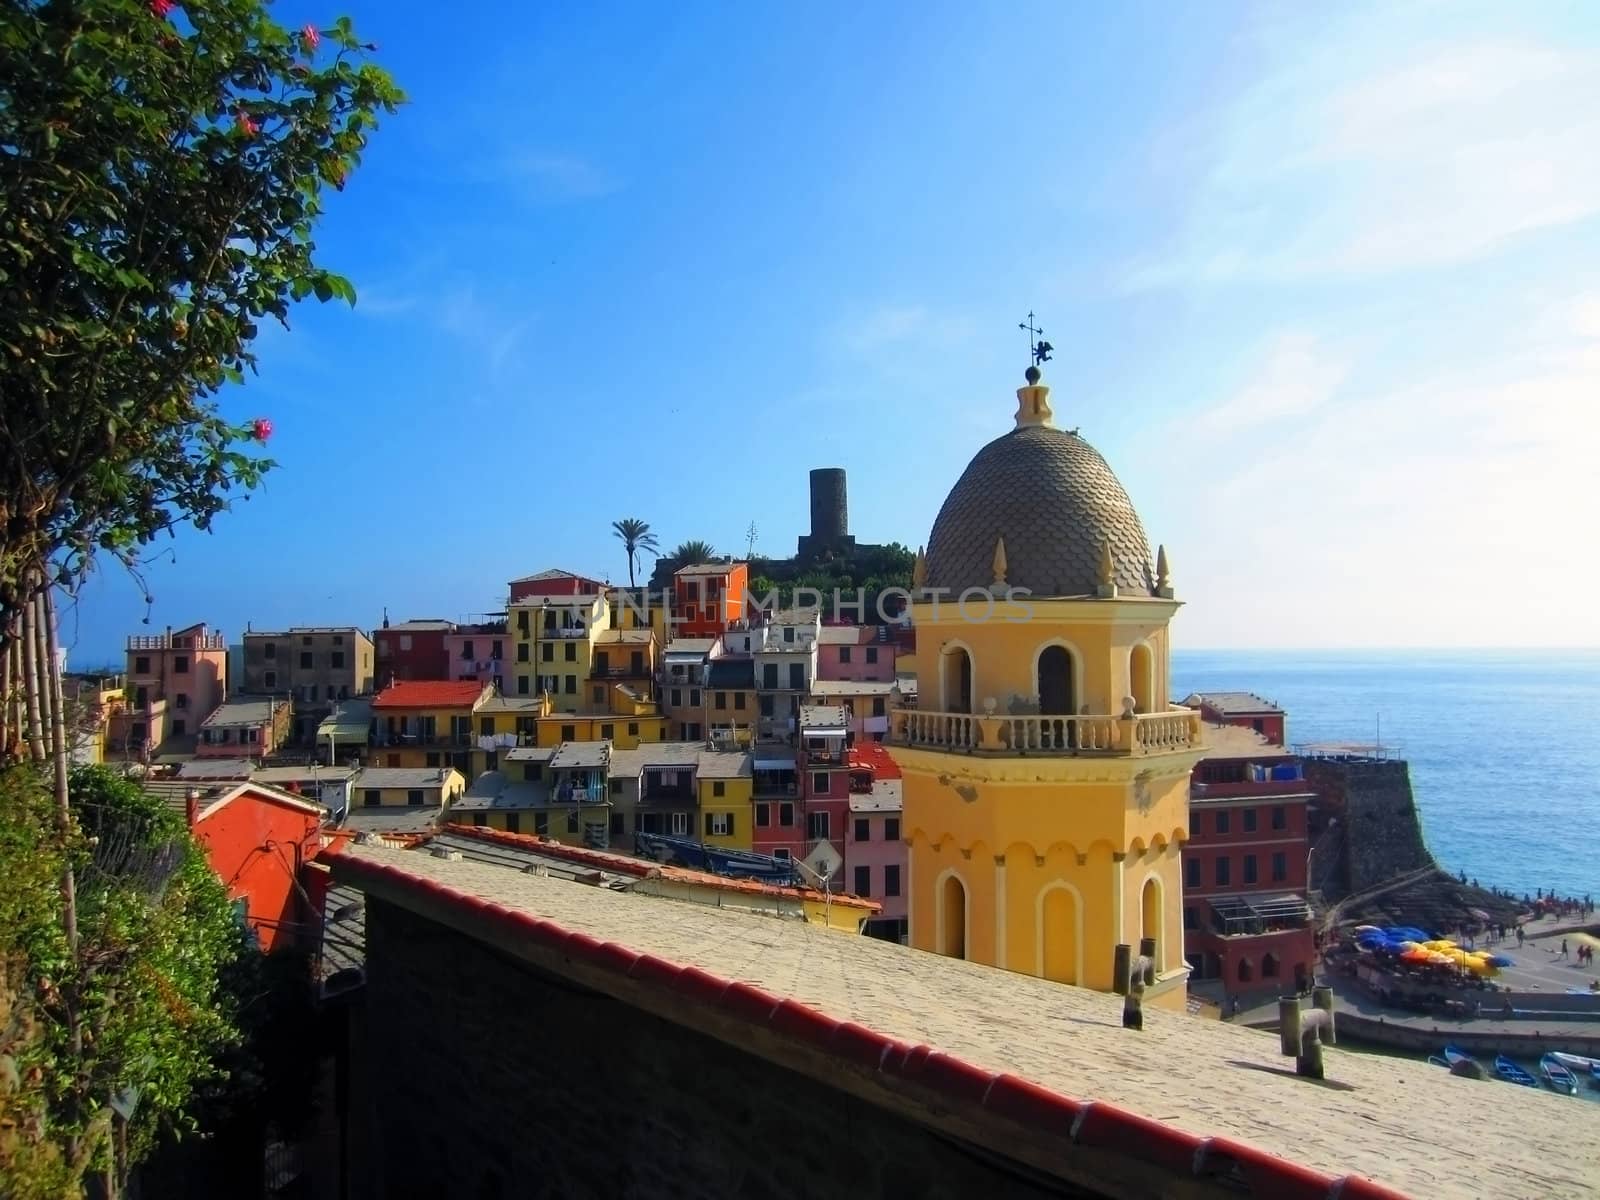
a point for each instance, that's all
(1563, 947)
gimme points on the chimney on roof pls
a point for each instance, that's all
(191, 807)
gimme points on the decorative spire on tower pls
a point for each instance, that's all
(1163, 573)
(999, 562)
(1107, 588)
(1033, 401)
(919, 571)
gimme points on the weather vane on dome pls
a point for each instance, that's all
(1037, 346)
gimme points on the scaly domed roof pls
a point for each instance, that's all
(1057, 504)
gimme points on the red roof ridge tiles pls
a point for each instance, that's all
(1088, 1123)
(641, 868)
(429, 693)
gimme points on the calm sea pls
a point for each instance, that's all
(1504, 746)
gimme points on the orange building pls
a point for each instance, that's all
(708, 597)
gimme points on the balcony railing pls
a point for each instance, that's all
(770, 786)
(970, 733)
(177, 641)
(548, 634)
(418, 737)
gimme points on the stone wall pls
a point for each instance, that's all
(1382, 833)
(479, 1077)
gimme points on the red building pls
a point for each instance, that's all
(1245, 916)
(259, 840)
(554, 583)
(411, 650)
(824, 767)
(708, 597)
(1245, 709)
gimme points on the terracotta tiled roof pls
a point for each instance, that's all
(873, 757)
(430, 693)
(622, 864)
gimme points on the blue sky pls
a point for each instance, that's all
(1320, 283)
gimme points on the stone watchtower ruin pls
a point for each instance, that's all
(830, 516)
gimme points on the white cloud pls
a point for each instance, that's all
(1328, 169)
(1296, 376)
(1452, 504)
(553, 178)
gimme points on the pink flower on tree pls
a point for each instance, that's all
(247, 125)
(162, 7)
(310, 36)
(261, 428)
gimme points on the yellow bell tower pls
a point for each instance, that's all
(1046, 783)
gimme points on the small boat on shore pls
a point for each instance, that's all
(1511, 1073)
(1452, 1056)
(1579, 1065)
(1558, 1076)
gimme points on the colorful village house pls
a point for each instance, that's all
(427, 723)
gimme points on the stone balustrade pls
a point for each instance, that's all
(1035, 733)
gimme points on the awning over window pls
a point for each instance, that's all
(341, 728)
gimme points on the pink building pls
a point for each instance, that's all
(176, 680)
(865, 702)
(856, 652)
(245, 727)
(874, 855)
(478, 653)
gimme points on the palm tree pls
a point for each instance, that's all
(689, 553)
(636, 536)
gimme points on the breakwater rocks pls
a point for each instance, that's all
(1380, 868)
(1372, 802)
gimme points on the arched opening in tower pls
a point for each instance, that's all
(1054, 685)
(1150, 924)
(957, 682)
(953, 917)
(1142, 678)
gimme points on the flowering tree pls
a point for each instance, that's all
(161, 170)
(162, 167)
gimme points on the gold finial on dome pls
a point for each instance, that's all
(1107, 588)
(1163, 573)
(1000, 562)
(919, 571)
(1033, 401)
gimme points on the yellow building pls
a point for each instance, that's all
(553, 641)
(91, 702)
(427, 723)
(395, 787)
(638, 608)
(727, 810)
(629, 720)
(622, 656)
(503, 723)
(731, 705)
(1046, 776)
